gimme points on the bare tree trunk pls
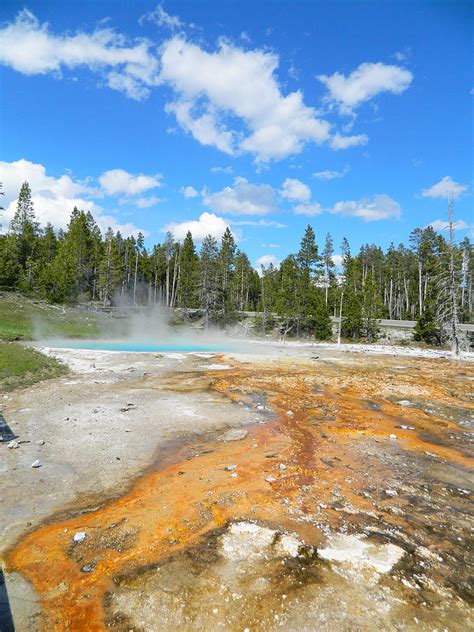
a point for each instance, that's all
(340, 320)
(420, 287)
(135, 280)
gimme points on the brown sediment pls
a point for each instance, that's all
(330, 453)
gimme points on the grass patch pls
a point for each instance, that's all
(25, 319)
(22, 366)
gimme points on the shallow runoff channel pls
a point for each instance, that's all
(288, 490)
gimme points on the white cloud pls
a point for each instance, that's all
(243, 198)
(227, 170)
(204, 128)
(364, 83)
(331, 175)
(261, 222)
(146, 202)
(337, 260)
(189, 192)
(161, 18)
(53, 198)
(231, 83)
(118, 181)
(343, 142)
(310, 210)
(207, 224)
(30, 48)
(439, 224)
(267, 260)
(295, 190)
(445, 188)
(378, 207)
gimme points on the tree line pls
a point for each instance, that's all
(429, 281)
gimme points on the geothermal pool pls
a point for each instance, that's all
(141, 346)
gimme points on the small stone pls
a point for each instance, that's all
(41, 442)
(404, 402)
(80, 536)
(392, 436)
(290, 413)
(234, 435)
(281, 466)
(391, 492)
(13, 445)
(229, 468)
(270, 479)
(234, 475)
(36, 463)
(88, 568)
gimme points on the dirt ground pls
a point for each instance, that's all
(284, 487)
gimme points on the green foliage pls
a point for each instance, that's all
(426, 328)
(22, 366)
(24, 319)
(80, 265)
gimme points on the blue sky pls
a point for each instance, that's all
(355, 117)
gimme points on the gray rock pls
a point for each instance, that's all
(229, 468)
(13, 445)
(234, 435)
(36, 463)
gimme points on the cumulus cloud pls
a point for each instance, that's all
(439, 224)
(337, 260)
(343, 142)
(243, 198)
(445, 188)
(53, 198)
(378, 207)
(309, 210)
(189, 192)
(210, 87)
(295, 190)
(364, 83)
(118, 181)
(267, 260)
(331, 175)
(31, 48)
(207, 224)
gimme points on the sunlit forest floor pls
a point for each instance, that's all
(261, 492)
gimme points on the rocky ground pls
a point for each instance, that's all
(283, 487)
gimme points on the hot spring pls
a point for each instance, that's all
(142, 346)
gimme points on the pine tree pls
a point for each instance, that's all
(209, 278)
(110, 272)
(328, 253)
(371, 309)
(351, 324)
(226, 265)
(187, 288)
(24, 225)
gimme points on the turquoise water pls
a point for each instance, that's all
(130, 345)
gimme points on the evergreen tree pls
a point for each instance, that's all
(328, 262)
(209, 278)
(24, 225)
(188, 267)
(227, 265)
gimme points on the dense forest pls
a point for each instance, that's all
(429, 281)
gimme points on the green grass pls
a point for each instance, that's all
(25, 319)
(22, 366)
